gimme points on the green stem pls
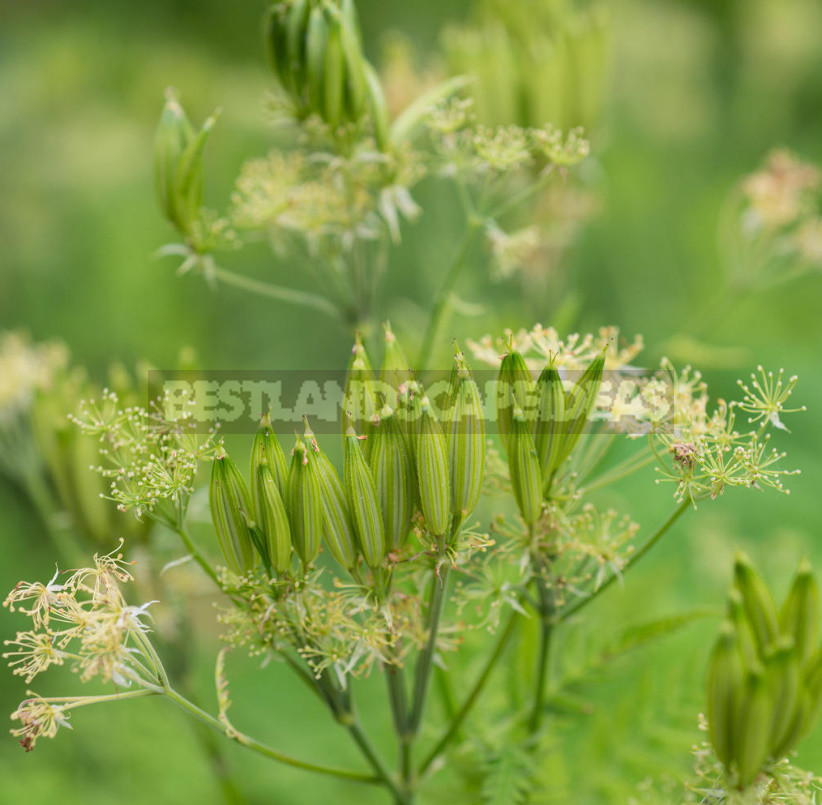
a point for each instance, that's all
(655, 537)
(288, 295)
(468, 705)
(531, 189)
(546, 631)
(196, 554)
(383, 774)
(260, 748)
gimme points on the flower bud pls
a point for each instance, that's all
(392, 469)
(272, 518)
(465, 434)
(305, 512)
(431, 461)
(362, 501)
(231, 513)
(523, 465)
(726, 681)
(758, 603)
(266, 451)
(514, 389)
(800, 613)
(549, 434)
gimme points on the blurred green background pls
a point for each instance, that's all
(698, 92)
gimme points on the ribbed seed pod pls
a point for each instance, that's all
(266, 451)
(580, 402)
(231, 514)
(305, 513)
(337, 528)
(726, 682)
(801, 611)
(813, 685)
(523, 465)
(316, 41)
(742, 626)
(355, 91)
(362, 502)
(759, 605)
(274, 40)
(360, 400)
(174, 132)
(514, 389)
(272, 517)
(782, 669)
(549, 428)
(465, 435)
(333, 75)
(431, 461)
(392, 469)
(753, 730)
(797, 727)
(296, 31)
(395, 371)
(377, 107)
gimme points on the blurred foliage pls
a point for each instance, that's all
(699, 92)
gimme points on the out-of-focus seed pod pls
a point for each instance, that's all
(514, 390)
(392, 469)
(465, 435)
(333, 76)
(523, 466)
(363, 502)
(267, 451)
(337, 528)
(231, 513)
(272, 518)
(305, 513)
(355, 89)
(726, 684)
(395, 371)
(360, 398)
(782, 669)
(431, 461)
(296, 27)
(813, 685)
(753, 729)
(377, 107)
(797, 727)
(801, 611)
(742, 626)
(274, 39)
(549, 429)
(580, 402)
(316, 41)
(759, 605)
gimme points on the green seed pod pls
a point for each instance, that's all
(395, 371)
(580, 402)
(465, 435)
(800, 613)
(797, 727)
(514, 389)
(296, 32)
(190, 176)
(305, 512)
(377, 107)
(742, 626)
(362, 502)
(360, 399)
(393, 471)
(431, 461)
(726, 682)
(333, 76)
(231, 513)
(753, 731)
(813, 686)
(274, 39)
(782, 669)
(523, 465)
(271, 515)
(337, 528)
(174, 133)
(549, 431)
(759, 605)
(355, 89)
(266, 451)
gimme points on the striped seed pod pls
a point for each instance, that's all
(742, 626)
(801, 611)
(782, 669)
(431, 462)
(758, 603)
(523, 465)
(395, 371)
(753, 728)
(231, 513)
(271, 516)
(465, 435)
(580, 402)
(813, 685)
(305, 512)
(392, 469)
(360, 398)
(726, 683)
(337, 529)
(514, 389)
(266, 451)
(549, 428)
(377, 107)
(362, 502)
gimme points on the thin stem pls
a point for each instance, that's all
(532, 188)
(196, 554)
(383, 774)
(73, 702)
(546, 631)
(472, 698)
(289, 295)
(653, 539)
(260, 748)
